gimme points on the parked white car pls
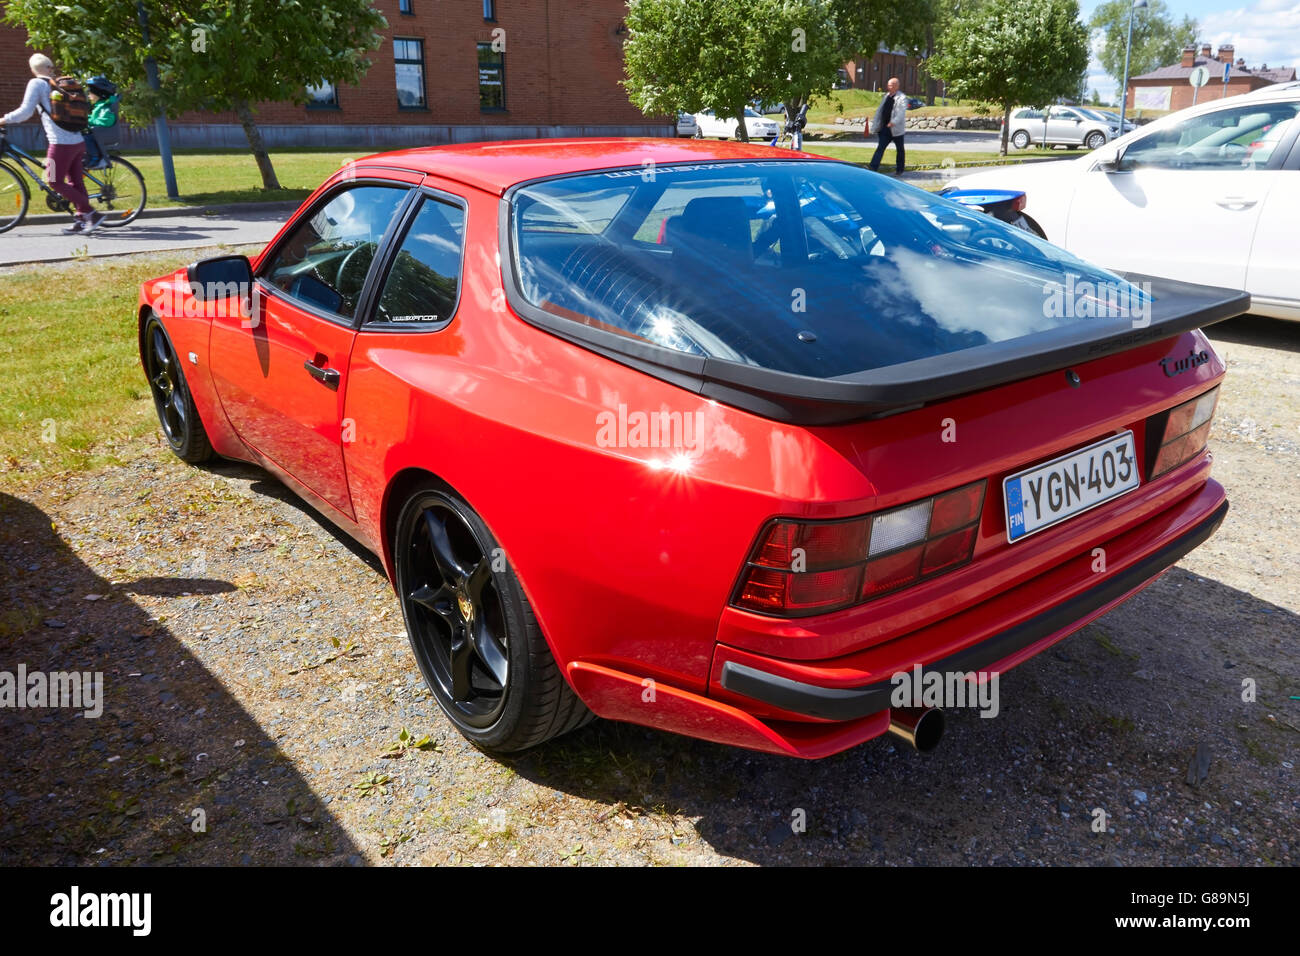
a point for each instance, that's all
(686, 125)
(1059, 126)
(758, 125)
(1209, 194)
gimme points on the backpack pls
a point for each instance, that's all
(69, 107)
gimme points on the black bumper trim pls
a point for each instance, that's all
(852, 703)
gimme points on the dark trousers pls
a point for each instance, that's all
(884, 138)
(93, 151)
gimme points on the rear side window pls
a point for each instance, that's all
(1240, 138)
(325, 258)
(424, 280)
(814, 268)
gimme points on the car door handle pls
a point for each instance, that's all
(1235, 202)
(329, 377)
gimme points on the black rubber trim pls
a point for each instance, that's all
(855, 702)
(805, 400)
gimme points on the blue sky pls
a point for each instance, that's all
(1263, 31)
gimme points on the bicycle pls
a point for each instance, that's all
(785, 140)
(118, 188)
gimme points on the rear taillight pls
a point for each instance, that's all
(798, 568)
(1183, 435)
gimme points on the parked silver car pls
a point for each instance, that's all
(1059, 126)
(686, 125)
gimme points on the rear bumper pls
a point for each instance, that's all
(851, 703)
(816, 708)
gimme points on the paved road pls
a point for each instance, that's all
(45, 242)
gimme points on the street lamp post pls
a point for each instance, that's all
(1128, 49)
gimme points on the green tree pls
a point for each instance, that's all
(1157, 39)
(908, 25)
(1013, 52)
(692, 55)
(863, 25)
(212, 55)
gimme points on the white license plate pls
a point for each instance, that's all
(1047, 494)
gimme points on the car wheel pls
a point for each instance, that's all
(472, 630)
(1020, 140)
(177, 415)
(1095, 140)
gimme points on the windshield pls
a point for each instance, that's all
(815, 268)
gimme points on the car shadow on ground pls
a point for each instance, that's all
(1257, 330)
(1116, 709)
(263, 482)
(173, 770)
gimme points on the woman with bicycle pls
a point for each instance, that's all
(66, 148)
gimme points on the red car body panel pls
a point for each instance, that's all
(630, 563)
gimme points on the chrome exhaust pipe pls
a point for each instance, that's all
(921, 727)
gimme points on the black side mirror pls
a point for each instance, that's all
(1110, 160)
(221, 277)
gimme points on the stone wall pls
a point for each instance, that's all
(931, 122)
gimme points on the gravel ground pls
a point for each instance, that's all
(256, 671)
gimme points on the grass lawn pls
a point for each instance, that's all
(918, 157)
(73, 387)
(225, 176)
(864, 102)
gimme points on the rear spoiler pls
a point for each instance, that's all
(804, 400)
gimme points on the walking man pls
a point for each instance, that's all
(66, 148)
(890, 125)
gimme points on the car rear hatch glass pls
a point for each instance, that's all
(816, 291)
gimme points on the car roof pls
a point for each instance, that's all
(496, 166)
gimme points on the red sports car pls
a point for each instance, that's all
(713, 438)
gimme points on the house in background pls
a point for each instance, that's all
(435, 79)
(1167, 88)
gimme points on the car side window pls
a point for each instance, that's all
(1238, 138)
(324, 261)
(424, 280)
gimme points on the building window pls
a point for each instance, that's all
(322, 96)
(489, 9)
(404, 6)
(491, 78)
(408, 59)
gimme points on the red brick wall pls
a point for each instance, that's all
(1181, 95)
(877, 70)
(563, 59)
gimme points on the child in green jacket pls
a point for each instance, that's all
(103, 116)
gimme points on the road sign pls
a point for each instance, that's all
(1199, 76)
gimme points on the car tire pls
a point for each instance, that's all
(472, 630)
(1020, 140)
(1095, 140)
(177, 414)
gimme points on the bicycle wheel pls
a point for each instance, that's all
(118, 192)
(14, 197)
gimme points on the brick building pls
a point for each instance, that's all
(1167, 88)
(436, 78)
(873, 72)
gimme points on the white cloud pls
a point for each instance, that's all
(1263, 32)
